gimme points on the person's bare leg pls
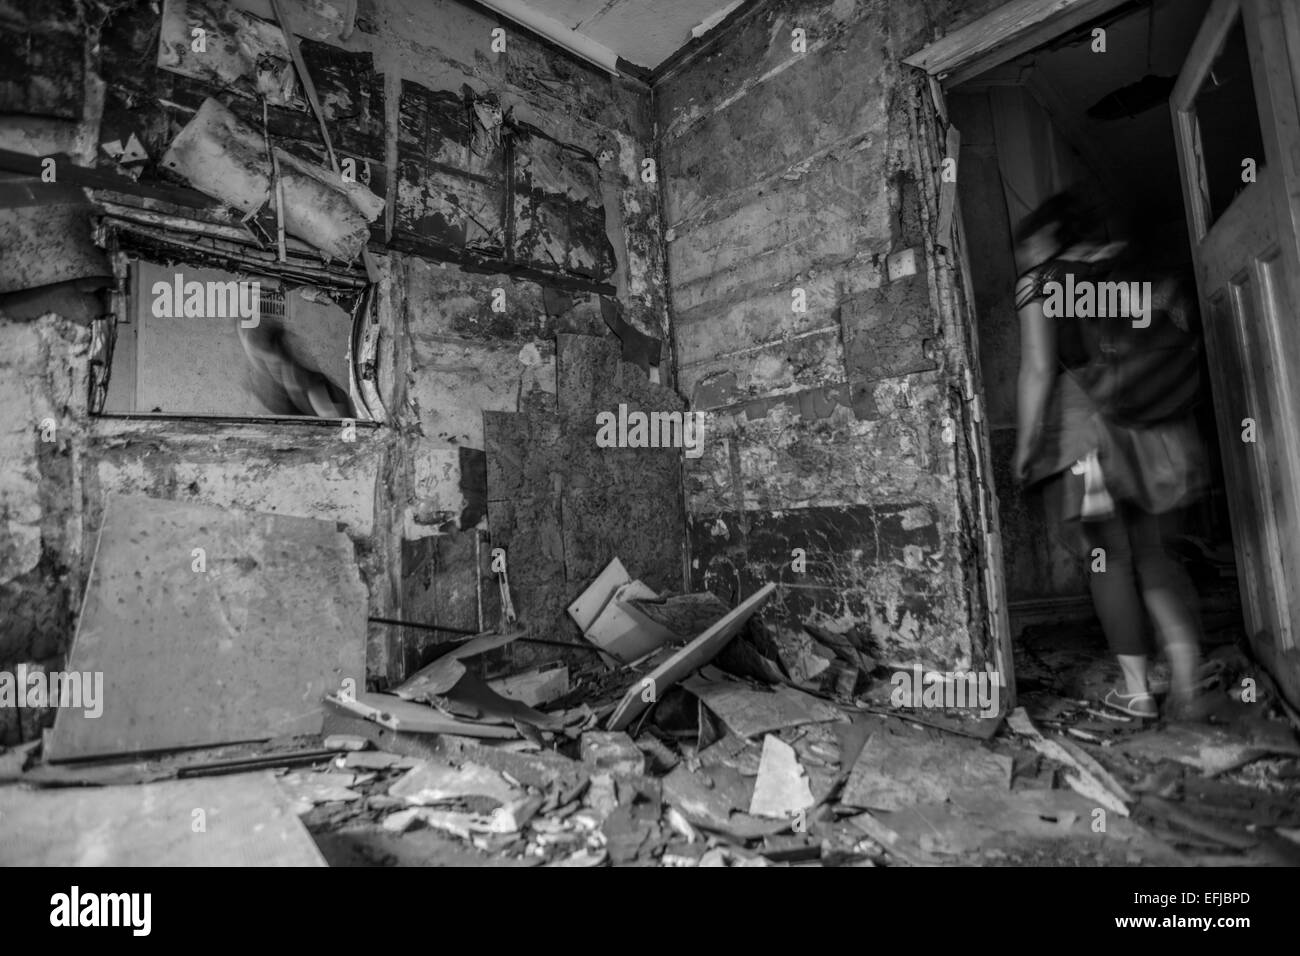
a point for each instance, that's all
(1171, 602)
(1117, 600)
(1180, 635)
(1134, 668)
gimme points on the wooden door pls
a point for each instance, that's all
(1238, 129)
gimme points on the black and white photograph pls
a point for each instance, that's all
(523, 434)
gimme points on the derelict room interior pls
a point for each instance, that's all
(593, 433)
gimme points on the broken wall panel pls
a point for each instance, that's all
(351, 95)
(469, 178)
(562, 506)
(558, 215)
(451, 173)
(211, 626)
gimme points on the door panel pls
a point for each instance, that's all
(1247, 258)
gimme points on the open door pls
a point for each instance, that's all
(1238, 129)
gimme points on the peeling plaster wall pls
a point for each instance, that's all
(411, 494)
(838, 429)
(42, 383)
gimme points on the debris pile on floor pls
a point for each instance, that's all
(689, 734)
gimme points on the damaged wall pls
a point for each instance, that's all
(550, 148)
(793, 181)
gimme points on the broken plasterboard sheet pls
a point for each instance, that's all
(588, 605)
(321, 207)
(407, 716)
(248, 821)
(647, 690)
(441, 674)
(749, 711)
(241, 647)
(902, 765)
(608, 619)
(782, 790)
(435, 782)
(706, 804)
(1213, 750)
(306, 789)
(625, 633)
(474, 699)
(535, 687)
(222, 157)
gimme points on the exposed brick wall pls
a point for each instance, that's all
(838, 429)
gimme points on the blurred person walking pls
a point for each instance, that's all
(1105, 408)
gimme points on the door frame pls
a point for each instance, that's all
(1003, 34)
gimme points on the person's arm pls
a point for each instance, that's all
(1037, 373)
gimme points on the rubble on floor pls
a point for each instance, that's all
(709, 751)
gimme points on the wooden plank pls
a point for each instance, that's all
(243, 650)
(948, 191)
(1004, 34)
(247, 818)
(305, 77)
(697, 653)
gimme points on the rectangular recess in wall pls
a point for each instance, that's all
(290, 358)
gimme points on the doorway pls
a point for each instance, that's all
(1153, 107)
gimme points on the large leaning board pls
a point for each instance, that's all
(242, 650)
